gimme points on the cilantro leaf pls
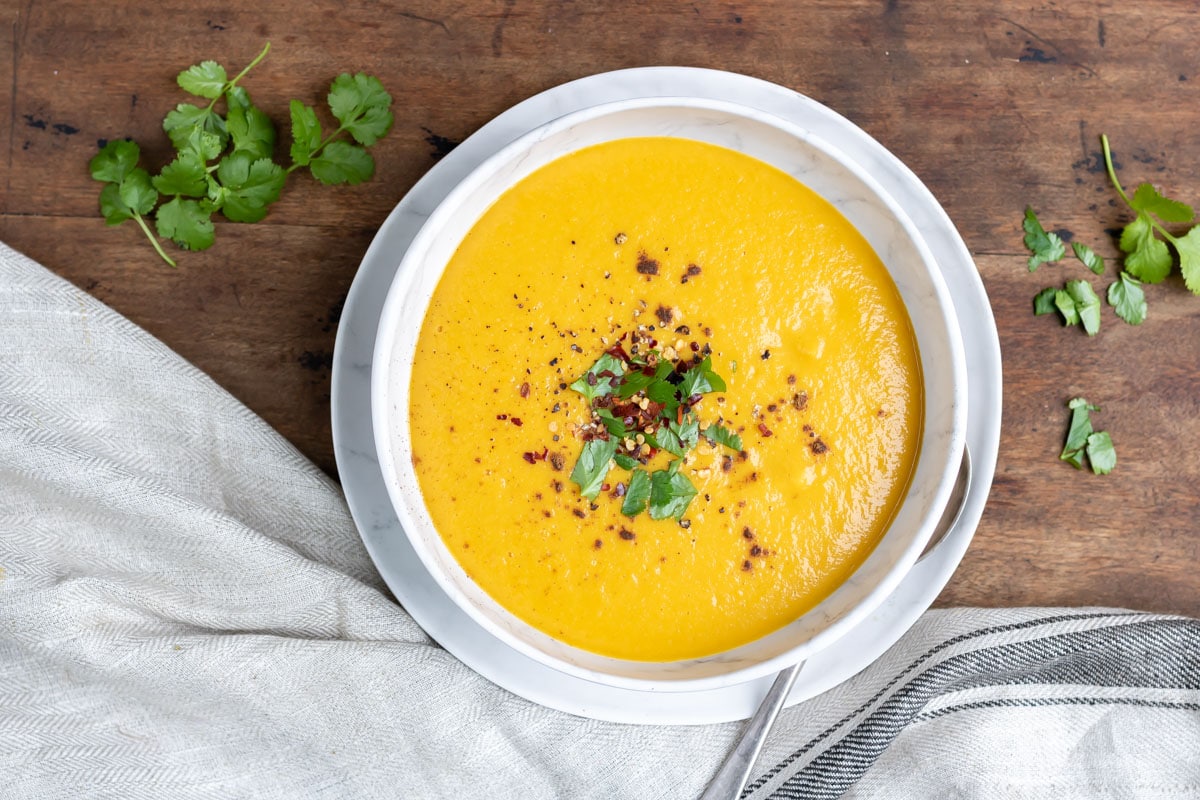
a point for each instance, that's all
(1101, 453)
(112, 207)
(248, 186)
(1045, 246)
(340, 162)
(666, 439)
(1126, 297)
(250, 130)
(688, 432)
(204, 144)
(1079, 431)
(592, 466)
(1066, 306)
(185, 175)
(637, 494)
(1147, 257)
(206, 79)
(179, 124)
(137, 192)
(701, 379)
(1188, 247)
(306, 132)
(1043, 303)
(185, 223)
(361, 105)
(719, 434)
(114, 161)
(670, 492)
(625, 461)
(597, 386)
(1087, 304)
(1147, 198)
(633, 382)
(1089, 257)
(615, 426)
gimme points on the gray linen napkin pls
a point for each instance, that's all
(186, 611)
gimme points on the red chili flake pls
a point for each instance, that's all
(617, 351)
(664, 314)
(597, 544)
(592, 380)
(557, 461)
(530, 457)
(800, 401)
(525, 389)
(747, 533)
(679, 415)
(756, 551)
(516, 421)
(604, 487)
(695, 347)
(818, 447)
(502, 416)
(558, 486)
(726, 463)
(693, 270)
(791, 380)
(764, 430)
(747, 566)
(627, 534)
(578, 512)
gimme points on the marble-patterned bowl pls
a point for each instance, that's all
(819, 165)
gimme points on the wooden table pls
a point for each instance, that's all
(995, 105)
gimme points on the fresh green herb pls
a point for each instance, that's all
(1043, 302)
(244, 180)
(719, 434)
(624, 461)
(592, 466)
(638, 493)
(1126, 297)
(1089, 257)
(639, 406)
(1045, 246)
(591, 385)
(670, 492)
(1081, 440)
(1147, 257)
(1066, 306)
(1087, 304)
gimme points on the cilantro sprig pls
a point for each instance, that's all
(1146, 255)
(225, 162)
(641, 405)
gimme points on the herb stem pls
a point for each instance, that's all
(1112, 174)
(266, 49)
(315, 150)
(153, 239)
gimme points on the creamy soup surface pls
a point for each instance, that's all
(706, 251)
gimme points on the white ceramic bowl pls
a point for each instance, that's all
(821, 167)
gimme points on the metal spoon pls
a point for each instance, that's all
(731, 778)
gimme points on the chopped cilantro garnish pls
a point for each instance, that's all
(670, 492)
(592, 466)
(637, 411)
(1081, 439)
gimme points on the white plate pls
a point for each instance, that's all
(367, 494)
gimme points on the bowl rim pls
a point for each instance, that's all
(381, 376)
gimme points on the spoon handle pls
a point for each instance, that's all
(734, 773)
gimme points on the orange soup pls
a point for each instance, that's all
(729, 335)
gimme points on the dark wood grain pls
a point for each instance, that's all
(994, 105)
